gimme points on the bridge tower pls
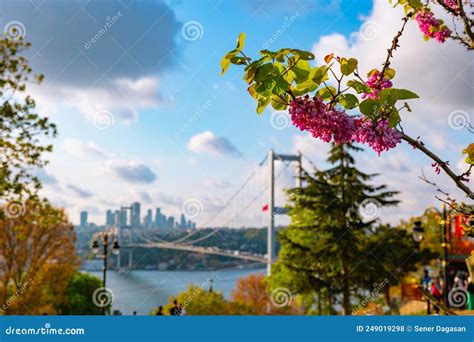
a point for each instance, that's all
(272, 156)
(121, 238)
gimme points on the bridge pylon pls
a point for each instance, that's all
(272, 156)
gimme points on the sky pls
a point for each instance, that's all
(143, 114)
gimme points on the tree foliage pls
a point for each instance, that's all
(36, 248)
(79, 295)
(324, 247)
(22, 142)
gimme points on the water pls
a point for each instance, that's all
(142, 291)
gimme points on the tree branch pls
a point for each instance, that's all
(442, 164)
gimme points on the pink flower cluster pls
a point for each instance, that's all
(379, 136)
(376, 83)
(322, 121)
(327, 123)
(432, 27)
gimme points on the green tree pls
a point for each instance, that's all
(79, 296)
(23, 132)
(388, 265)
(323, 249)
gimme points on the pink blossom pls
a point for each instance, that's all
(432, 27)
(321, 120)
(376, 84)
(379, 137)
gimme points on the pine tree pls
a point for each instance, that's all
(322, 250)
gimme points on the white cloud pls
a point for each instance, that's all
(131, 171)
(208, 142)
(123, 98)
(84, 150)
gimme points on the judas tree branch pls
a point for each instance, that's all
(442, 164)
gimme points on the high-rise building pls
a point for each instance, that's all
(123, 218)
(84, 222)
(148, 220)
(109, 218)
(158, 218)
(189, 225)
(135, 216)
(170, 222)
(182, 222)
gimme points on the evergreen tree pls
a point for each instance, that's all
(322, 250)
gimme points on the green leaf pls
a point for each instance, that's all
(225, 61)
(469, 151)
(368, 107)
(266, 88)
(358, 86)
(240, 42)
(238, 60)
(404, 94)
(389, 73)
(348, 101)
(319, 74)
(301, 70)
(262, 103)
(304, 55)
(348, 66)
(393, 117)
(263, 72)
(277, 103)
(281, 86)
(326, 93)
(388, 97)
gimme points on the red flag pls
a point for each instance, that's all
(265, 207)
(458, 228)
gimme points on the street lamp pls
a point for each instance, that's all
(418, 231)
(115, 250)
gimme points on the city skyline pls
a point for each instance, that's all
(114, 218)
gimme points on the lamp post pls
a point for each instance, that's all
(105, 251)
(418, 232)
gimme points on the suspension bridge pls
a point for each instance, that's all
(260, 182)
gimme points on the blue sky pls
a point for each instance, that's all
(143, 114)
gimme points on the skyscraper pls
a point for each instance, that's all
(158, 218)
(123, 218)
(109, 218)
(84, 222)
(135, 216)
(182, 222)
(170, 222)
(148, 221)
